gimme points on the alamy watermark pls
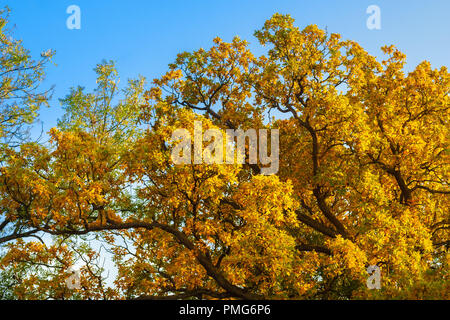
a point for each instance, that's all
(74, 20)
(374, 280)
(73, 281)
(374, 20)
(222, 149)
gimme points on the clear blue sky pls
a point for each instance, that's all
(143, 36)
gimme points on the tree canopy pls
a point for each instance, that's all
(363, 176)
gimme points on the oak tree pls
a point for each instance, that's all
(363, 179)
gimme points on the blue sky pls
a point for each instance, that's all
(144, 36)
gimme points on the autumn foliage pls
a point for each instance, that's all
(363, 178)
